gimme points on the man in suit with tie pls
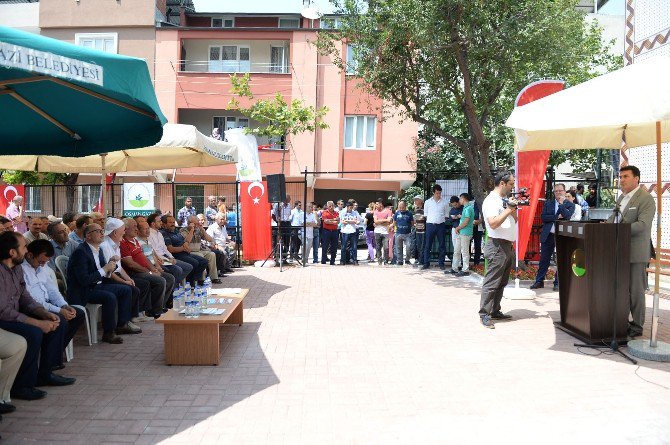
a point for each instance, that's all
(636, 207)
(88, 281)
(553, 210)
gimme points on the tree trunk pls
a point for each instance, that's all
(71, 191)
(480, 175)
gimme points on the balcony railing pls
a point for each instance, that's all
(232, 66)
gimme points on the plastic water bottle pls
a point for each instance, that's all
(196, 301)
(187, 289)
(178, 299)
(207, 292)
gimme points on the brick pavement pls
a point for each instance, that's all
(358, 355)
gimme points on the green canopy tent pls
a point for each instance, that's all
(61, 99)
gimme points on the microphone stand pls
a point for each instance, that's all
(614, 344)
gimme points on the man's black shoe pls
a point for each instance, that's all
(442, 266)
(216, 281)
(555, 288)
(228, 270)
(55, 380)
(633, 334)
(28, 394)
(6, 408)
(425, 267)
(500, 316)
(537, 285)
(58, 367)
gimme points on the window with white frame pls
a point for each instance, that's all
(360, 132)
(107, 42)
(278, 59)
(352, 64)
(224, 123)
(230, 59)
(33, 199)
(331, 23)
(289, 23)
(223, 22)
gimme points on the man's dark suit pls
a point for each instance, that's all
(85, 284)
(550, 215)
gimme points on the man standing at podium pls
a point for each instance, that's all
(554, 209)
(500, 223)
(636, 207)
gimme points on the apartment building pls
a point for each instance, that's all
(197, 52)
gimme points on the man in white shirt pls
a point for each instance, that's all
(349, 218)
(221, 243)
(297, 216)
(179, 269)
(42, 287)
(436, 210)
(500, 223)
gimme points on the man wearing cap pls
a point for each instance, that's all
(349, 219)
(418, 230)
(88, 281)
(436, 211)
(111, 247)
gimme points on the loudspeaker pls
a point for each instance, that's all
(276, 188)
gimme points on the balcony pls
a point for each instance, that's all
(235, 56)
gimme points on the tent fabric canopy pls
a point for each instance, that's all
(181, 146)
(59, 98)
(623, 105)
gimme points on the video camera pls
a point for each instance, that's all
(522, 198)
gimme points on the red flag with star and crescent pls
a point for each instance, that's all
(256, 231)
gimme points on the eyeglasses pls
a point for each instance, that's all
(96, 230)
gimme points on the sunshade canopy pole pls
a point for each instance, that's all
(103, 183)
(657, 269)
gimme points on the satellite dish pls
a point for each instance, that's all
(311, 13)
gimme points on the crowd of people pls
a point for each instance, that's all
(53, 267)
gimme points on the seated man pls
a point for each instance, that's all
(44, 290)
(177, 246)
(19, 313)
(34, 230)
(141, 288)
(77, 235)
(221, 242)
(63, 245)
(88, 281)
(194, 234)
(137, 266)
(12, 350)
(178, 269)
(6, 225)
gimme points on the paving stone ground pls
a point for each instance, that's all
(359, 355)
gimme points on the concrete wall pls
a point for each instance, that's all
(24, 16)
(96, 13)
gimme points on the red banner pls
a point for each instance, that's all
(256, 232)
(109, 180)
(532, 165)
(7, 193)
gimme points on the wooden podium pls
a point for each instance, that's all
(593, 279)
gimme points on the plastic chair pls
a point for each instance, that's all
(90, 311)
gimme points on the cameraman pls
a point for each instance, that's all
(501, 226)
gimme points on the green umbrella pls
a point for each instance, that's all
(61, 99)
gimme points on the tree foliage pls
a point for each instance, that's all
(456, 66)
(277, 117)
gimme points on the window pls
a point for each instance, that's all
(278, 59)
(224, 123)
(33, 199)
(352, 64)
(223, 22)
(107, 42)
(360, 132)
(289, 23)
(89, 197)
(331, 23)
(229, 59)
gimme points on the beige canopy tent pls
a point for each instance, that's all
(629, 106)
(181, 146)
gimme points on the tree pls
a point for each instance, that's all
(278, 117)
(455, 66)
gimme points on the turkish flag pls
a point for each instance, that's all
(532, 165)
(7, 193)
(256, 231)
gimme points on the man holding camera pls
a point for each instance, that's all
(553, 210)
(500, 218)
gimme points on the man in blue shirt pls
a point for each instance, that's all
(349, 228)
(404, 220)
(180, 249)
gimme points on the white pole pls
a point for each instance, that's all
(103, 183)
